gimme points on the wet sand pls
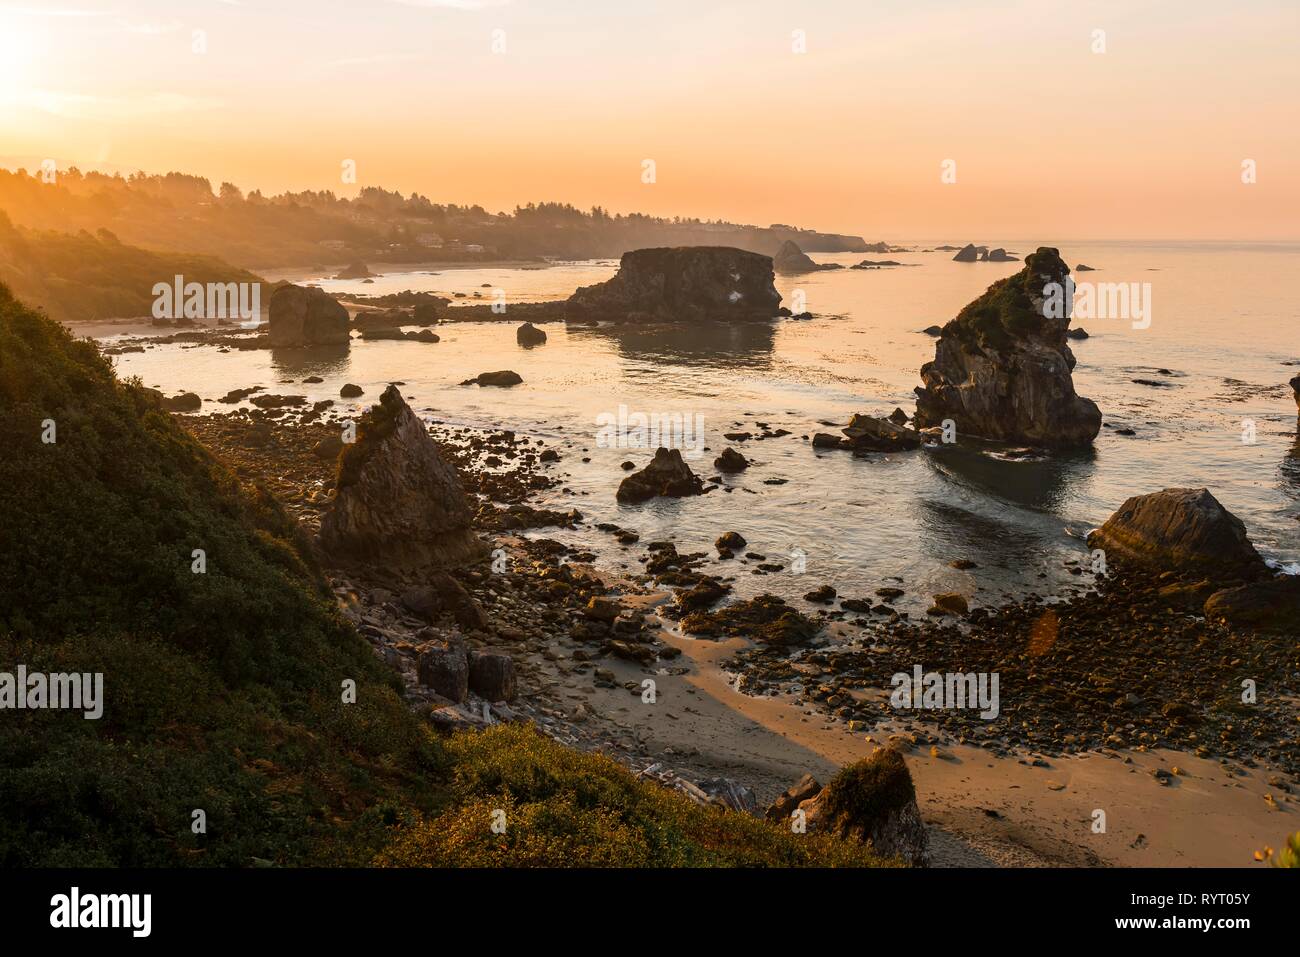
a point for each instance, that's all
(984, 810)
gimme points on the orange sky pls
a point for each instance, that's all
(1144, 140)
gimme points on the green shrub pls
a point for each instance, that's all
(567, 808)
(222, 690)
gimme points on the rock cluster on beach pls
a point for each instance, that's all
(398, 503)
(687, 284)
(1002, 368)
(305, 316)
(866, 433)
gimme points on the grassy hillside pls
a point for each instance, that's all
(77, 276)
(223, 690)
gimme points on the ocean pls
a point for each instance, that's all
(1218, 338)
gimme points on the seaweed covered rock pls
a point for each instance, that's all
(1180, 530)
(667, 474)
(305, 316)
(766, 619)
(400, 506)
(1002, 368)
(873, 801)
(692, 284)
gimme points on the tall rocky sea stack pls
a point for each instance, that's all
(1001, 369)
(306, 316)
(682, 284)
(400, 506)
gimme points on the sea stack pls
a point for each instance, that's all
(1002, 368)
(790, 259)
(687, 284)
(400, 506)
(305, 316)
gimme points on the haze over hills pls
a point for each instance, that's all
(179, 212)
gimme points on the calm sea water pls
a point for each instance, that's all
(1223, 325)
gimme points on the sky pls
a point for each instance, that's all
(840, 116)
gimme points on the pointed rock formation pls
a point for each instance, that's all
(693, 284)
(305, 316)
(1001, 369)
(667, 474)
(400, 506)
(873, 801)
(967, 254)
(791, 259)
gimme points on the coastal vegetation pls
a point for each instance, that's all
(178, 212)
(77, 276)
(246, 722)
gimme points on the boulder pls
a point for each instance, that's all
(805, 789)
(1270, 604)
(730, 541)
(950, 603)
(399, 505)
(667, 474)
(503, 379)
(967, 254)
(687, 284)
(1295, 387)
(185, 402)
(1000, 255)
(492, 676)
(305, 316)
(529, 335)
(873, 801)
(870, 434)
(730, 461)
(328, 448)
(1180, 530)
(1002, 368)
(445, 669)
(602, 609)
(443, 593)
(351, 390)
(791, 259)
